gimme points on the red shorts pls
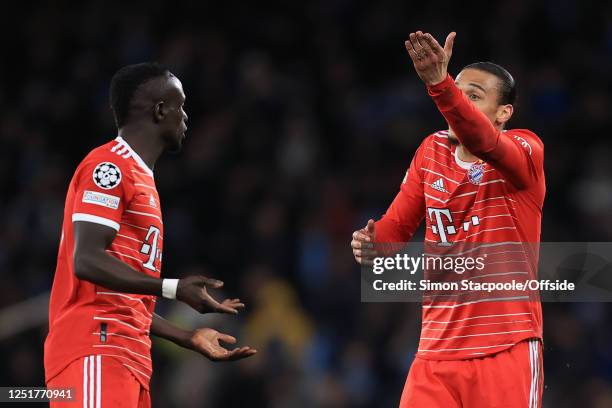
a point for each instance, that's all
(512, 378)
(100, 382)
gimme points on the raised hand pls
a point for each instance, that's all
(429, 58)
(363, 244)
(193, 291)
(206, 342)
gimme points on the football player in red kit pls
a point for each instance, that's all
(474, 183)
(107, 279)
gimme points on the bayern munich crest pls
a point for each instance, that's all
(107, 175)
(475, 173)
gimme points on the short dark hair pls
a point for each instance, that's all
(124, 85)
(507, 89)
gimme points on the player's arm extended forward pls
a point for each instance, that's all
(92, 263)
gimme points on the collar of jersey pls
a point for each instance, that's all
(135, 155)
(461, 163)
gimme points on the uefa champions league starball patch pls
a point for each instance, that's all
(475, 173)
(107, 175)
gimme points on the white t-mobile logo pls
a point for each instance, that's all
(435, 216)
(437, 224)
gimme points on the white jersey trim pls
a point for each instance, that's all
(125, 146)
(96, 220)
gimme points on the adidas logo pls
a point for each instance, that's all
(439, 185)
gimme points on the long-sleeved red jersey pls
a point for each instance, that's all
(496, 201)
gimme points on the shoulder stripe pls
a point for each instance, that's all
(95, 219)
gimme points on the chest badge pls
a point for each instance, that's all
(475, 173)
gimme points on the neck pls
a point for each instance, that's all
(465, 155)
(143, 143)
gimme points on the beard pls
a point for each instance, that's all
(174, 143)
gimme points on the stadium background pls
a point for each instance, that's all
(303, 119)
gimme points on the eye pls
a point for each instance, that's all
(473, 97)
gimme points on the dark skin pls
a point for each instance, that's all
(156, 123)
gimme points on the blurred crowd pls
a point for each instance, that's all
(303, 120)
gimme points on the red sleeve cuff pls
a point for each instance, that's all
(438, 88)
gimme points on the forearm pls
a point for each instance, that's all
(473, 129)
(105, 270)
(161, 327)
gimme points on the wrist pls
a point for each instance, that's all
(183, 339)
(439, 84)
(169, 288)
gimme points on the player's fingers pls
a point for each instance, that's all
(411, 51)
(363, 236)
(212, 283)
(433, 44)
(448, 45)
(233, 303)
(415, 43)
(421, 41)
(370, 227)
(359, 244)
(242, 352)
(219, 307)
(226, 338)
(424, 43)
(364, 252)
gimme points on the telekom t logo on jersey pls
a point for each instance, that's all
(441, 220)
(150, 247)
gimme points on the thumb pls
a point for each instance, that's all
(448, 45)
(370, 227)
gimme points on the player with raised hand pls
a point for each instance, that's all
(481, 185)
(107, 279)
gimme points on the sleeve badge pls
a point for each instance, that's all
(107, 175)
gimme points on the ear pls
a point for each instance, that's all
(504, 113)
(159, 111)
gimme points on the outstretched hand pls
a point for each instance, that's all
(193, 290)
(429, 58)
(206, 342)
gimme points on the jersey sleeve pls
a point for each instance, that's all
(102, 191)
(517, 154)
(407, 210)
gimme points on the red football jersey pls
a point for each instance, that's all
(494, 202)
(113, 187)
